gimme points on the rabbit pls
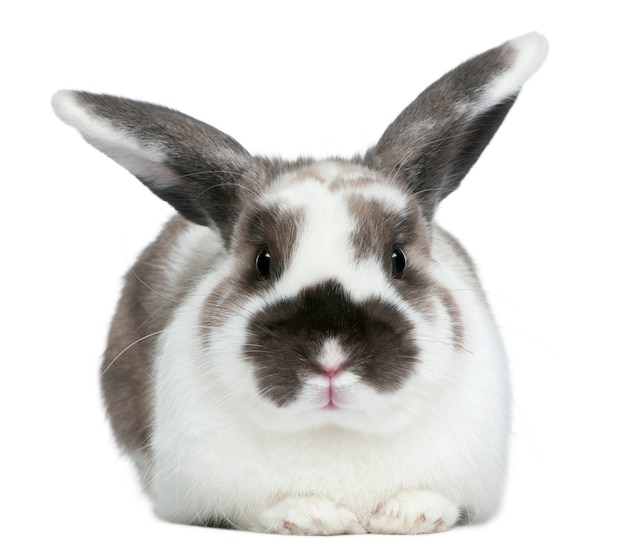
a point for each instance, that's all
(303, 350)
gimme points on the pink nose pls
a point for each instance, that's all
(330, 369)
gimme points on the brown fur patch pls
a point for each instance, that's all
(143, 311)
(341, 183)
(379, 230)
(272, 228)
(289, 334)
(454, 315)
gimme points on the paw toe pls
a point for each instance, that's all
(309, 516)
(414, 512)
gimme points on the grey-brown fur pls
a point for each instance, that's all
(144, 309)
(380, 229)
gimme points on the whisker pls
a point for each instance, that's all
(104, 371)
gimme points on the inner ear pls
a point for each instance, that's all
(477, 134)
(199, 170)
(435, 141)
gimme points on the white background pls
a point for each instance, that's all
(542, 212)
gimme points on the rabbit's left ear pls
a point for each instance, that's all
(436, 140)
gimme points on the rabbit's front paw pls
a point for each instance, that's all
(309, 515)
(414, 512)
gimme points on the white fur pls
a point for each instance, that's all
(143, 160)
(324, 239)
(195, 245)
(220, 449)
(530, 52)
(414, 512)
(308, 514)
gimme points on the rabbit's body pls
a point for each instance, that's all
(308, 352)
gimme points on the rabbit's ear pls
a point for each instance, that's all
(193, 166)
(435, 141)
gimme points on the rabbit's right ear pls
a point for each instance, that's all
(196, 168)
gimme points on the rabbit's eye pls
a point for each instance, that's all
(398, 263)
(263, 263)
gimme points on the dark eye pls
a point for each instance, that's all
(398, 263)
(263, 263)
